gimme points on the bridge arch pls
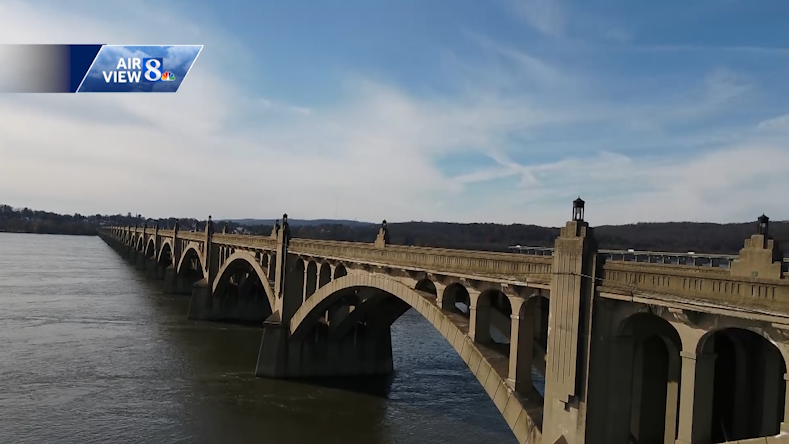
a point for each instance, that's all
(492, 323)
(340, 271)
(457, 299)
(311, 281)
(325, 274)
(748, 389)
(232, 264)
(427, 286)
(139, 245)
(399, 298)
(165, 256)
(241, 290)
(647, 392)
(150, 248)
(190, 253)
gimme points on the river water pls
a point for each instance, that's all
(92, 352)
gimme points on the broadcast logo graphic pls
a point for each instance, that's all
(130, 71)
(95, 68)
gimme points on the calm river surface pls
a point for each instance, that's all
(92, 352)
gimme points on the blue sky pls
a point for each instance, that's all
(486, 111)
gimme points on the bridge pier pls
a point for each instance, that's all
(171, 280)
(237, 305)
(201, 304)
(364, 353)
(140, 264)
(153, 270)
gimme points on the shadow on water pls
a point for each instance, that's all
(379, 386)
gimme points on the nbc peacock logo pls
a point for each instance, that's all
(168, 76)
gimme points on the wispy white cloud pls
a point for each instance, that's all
(546, 16)
(780, 123)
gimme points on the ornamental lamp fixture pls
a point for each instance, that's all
(578, 209)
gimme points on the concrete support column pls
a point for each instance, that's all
(771, 392)
(479, 321)
(521, 346)
(439, 293)
(271, 266)
(785, 422)
(672, 396)
(304, 287)
(695, 404)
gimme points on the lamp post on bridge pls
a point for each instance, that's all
(762, 225)
(383, 236)
(578, 209)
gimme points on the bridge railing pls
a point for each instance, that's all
(478, 263)
(246, 241)
(695, 284)
(191, 235)
(653, 257)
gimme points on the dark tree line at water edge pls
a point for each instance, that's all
(25, 220)
(672, 236)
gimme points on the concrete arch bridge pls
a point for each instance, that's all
(578, 346)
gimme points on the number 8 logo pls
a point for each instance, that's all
(152, 72)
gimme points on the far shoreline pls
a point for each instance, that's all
(50, 234)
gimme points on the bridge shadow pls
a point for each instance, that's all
(375, 385)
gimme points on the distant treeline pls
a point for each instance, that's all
(25, 220)
(673, 236)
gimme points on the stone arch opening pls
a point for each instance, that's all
(150, 248)
(645, 398)
(325, 275)
(340, 271)
(368, 342)
(189, 271)
(492, 324)
(166, 256)
(748, 389)
(139, 245)
(456, 299)
(311, 282)
(427, 286)
(239, 293)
